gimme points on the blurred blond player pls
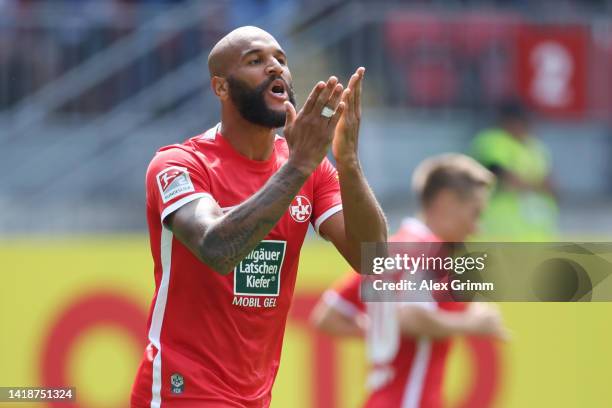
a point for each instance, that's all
(408, 342)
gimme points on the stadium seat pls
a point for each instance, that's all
(479, 30)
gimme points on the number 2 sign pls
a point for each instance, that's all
(552, 65)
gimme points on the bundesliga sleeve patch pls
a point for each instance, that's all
(173, 182)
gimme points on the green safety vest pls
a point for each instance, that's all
(515, 215)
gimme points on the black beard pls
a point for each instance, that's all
(252, 106)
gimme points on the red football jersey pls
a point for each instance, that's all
(406, 372)
(214, 340)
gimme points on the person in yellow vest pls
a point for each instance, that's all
(523, 206)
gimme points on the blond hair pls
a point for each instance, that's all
(456, 172)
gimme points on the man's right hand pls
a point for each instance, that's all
(308, 133)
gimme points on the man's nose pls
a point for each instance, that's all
(274, 67)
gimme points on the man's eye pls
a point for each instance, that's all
(254, 61)
(282, 61)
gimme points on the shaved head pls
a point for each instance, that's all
(249, 74)
(229, 49)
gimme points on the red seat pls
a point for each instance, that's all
(407, 30)
(479, 30)
(431, 82)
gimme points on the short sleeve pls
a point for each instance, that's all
(175, 178)
(344, 296)
(327, 199)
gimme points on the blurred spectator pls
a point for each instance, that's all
(523, 206)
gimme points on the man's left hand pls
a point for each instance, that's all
(347, 131)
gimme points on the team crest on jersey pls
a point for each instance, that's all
(173, 182)
(178, 383)
(300, 209)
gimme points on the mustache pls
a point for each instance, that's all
(265, 84)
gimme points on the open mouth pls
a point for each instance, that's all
(278, 89)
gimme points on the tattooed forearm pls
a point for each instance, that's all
(235, 234)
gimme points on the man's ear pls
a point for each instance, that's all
(220, 87)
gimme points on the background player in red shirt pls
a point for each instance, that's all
(228, 211)
(408, 341)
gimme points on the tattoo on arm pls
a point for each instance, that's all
(235, 234)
